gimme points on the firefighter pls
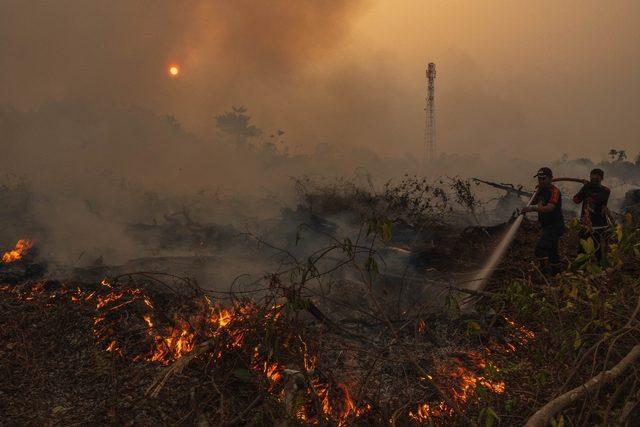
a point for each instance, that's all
(548, 204)
(594, 215)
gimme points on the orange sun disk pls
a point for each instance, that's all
(174, 70)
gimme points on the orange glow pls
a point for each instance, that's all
(148, 320)
(174, 70)
(422, 326)
(22, 247)
(272, 371)
(225, 318)
(177, 342)
(527, 335)
(459, 375)
(426, 412)
(169, 340)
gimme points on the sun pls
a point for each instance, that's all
(174, 71)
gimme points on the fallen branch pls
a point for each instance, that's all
(544, 414)
(175, 368)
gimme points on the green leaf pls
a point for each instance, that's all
(371, 266)
(473, 326)
(594, 269)
(491, 417)
(488, 422)
(577, 342)
(581, 258)
(619, 232)
(371, 226)
(574, 291)
(587, 245)
(386, 231)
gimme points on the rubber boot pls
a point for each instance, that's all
(544, 266)
(555, 268)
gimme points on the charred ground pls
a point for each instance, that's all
(340, 336)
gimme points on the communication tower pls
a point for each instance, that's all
(430, 118)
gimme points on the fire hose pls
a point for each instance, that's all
(480, 280)
(564, 179)
(610, 219)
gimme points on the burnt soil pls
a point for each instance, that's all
(54, 373)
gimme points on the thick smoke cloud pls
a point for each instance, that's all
(85, 97)
(512, 78)
(119, 51)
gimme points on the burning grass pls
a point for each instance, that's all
(277, 357)
(21, 248)
(282, 366)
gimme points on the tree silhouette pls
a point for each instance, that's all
(237, 125)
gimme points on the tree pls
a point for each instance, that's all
(622, 155)
(237, 125)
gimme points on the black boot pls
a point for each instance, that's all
(555, 268)
(545, 267)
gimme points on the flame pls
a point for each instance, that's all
(168, 341)
(181, 340)
(113, 346)
(459, 374)
(148, 320)
(526, 334)
(310, 362)
(426, 412)
(349, 405)
(108, 299)
(273, 372)
(18, 252)
(167, 338)
(336, 403)
(422, 326)
(469, 381)
(224, 318)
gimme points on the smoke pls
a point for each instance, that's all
(510, 79)
(119, 51)
(105, 139)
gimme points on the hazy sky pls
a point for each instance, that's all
(525, 78)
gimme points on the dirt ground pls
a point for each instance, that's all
(54, 373)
